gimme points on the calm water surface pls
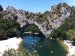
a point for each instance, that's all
(31, 41)
(45, 48)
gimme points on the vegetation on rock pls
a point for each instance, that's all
(8, 23)
(32, 28)
(66, 30)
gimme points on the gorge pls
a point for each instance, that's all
(46, 22)
(44, 32)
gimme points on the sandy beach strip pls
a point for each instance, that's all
(70, 47)
(9, 43)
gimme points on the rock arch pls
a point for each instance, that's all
(41, 28)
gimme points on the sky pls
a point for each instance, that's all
(34, 5)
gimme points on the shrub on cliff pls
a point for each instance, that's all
(8, 28)
(69, 24)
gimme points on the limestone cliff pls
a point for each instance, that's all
(46, 21)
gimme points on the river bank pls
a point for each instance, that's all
(71, 48)
(8, 44)
(14, 42)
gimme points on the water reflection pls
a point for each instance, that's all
(32, 41)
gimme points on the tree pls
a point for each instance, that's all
(55, 33)
(10, 52)
(71, 34)
(33, 28)
(73, 9)
(8, 28)
(1, 9)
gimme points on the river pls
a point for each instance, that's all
(44, 47)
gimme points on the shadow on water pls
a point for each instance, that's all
(50, 48)
(44, 47)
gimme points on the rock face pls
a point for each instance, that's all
(46, 22)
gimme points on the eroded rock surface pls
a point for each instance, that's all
(46, 22)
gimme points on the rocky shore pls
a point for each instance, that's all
(8, 44)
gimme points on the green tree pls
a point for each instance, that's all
(8, 28)
(33, 28)
(1, 8)
(71, 34)
(55, 33)
(10, 52)
(73, 9)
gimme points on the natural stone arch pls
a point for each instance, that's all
(41, 28)
(36, 29)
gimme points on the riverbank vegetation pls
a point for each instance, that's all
(67, 29)
(21, 51)
(31, 28)
(51, 48)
